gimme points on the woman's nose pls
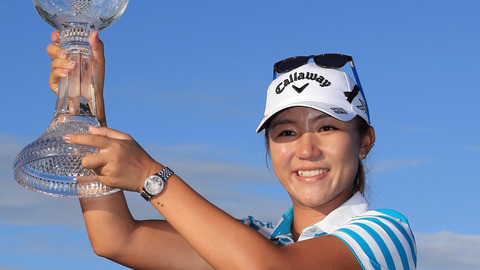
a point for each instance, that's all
(308, 147)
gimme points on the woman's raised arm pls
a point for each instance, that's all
(112, 230)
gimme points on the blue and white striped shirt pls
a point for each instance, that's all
(380, 239)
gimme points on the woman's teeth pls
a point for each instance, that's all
(312, 172)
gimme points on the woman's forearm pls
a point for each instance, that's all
(220, 239)
(147, 244)
(108, 222)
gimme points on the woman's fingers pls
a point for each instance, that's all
(60, 66)
(98, 61)
(62, 63)
(110, 133)
(109, 142)
(99, 142)
(55, 51)
(120, 162)
(97, 48)
(96, 160)
(54, 79)
(55, 36)
(59, 58)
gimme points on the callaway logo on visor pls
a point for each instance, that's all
(298, 76)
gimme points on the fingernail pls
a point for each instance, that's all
(66, 138)
(63, 54)
(71, 63)
(55, 35)
(65, 72)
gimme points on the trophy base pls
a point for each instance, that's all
(52, 167)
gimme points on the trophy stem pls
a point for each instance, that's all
(74, 37)
(76, 93)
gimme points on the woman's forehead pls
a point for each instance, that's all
(300, 111)
(298, 115)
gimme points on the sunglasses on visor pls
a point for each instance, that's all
(327, 60)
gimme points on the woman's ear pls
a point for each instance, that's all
(368, 141)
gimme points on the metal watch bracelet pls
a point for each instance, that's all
(163, 175)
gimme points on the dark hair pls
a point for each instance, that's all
(360, 179)
(362, 128)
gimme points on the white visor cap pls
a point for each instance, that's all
(328, 90)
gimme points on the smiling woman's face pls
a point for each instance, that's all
(315, 156)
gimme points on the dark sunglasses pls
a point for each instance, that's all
(327, 60)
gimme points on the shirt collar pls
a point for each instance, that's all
(354, 206)
(284, 226)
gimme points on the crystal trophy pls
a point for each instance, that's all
(49, 165)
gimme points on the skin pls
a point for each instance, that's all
(194, 234)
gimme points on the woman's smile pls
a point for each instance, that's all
(306, 175)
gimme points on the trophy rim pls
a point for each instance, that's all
(60, 16)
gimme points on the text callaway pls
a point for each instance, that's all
(297, 76)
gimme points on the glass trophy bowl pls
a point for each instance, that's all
(49, 165)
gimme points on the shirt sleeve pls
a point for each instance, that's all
(264, 228)
(380, 239)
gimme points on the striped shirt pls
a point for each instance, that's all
(380, 239)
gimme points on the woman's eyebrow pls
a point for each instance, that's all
(284, 121)
(287, 120)
(322, 116)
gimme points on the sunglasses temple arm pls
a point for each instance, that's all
(354, 69)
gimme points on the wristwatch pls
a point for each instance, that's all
(154, 184)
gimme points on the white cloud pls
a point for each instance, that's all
(448, 250)
(392, 164)
(9, 148)
(474, 148)
(24, 207)
(407, 128)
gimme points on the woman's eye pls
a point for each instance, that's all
(327, 128)
(287, 133)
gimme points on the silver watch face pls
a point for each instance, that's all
(154, 184)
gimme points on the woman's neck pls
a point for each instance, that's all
(304, 216)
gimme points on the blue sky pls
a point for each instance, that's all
(187, 79)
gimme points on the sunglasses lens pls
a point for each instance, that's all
(290, 64)
(331, 60)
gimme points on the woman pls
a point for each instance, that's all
(317, 131)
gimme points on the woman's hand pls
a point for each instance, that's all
(120, 162)
(61, 65)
